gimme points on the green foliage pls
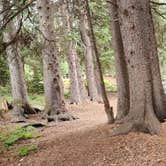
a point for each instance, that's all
(14, 136)
(34, 78)
(109, 86)
(101, 21)
(4, 90)
(37, 99)
(25, 150)
(67, 93)
(64, 67)
(4, 72)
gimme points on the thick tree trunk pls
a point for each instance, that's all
(19, 90)
(55, 105)
(141, 116)
(108, 108)
(121, 68)
(89, 60)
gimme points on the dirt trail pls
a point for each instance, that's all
(87, 142)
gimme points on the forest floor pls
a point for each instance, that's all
(87, 141)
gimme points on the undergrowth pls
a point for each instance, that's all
(25, 150)
(20, 133)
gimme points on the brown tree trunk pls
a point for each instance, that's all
(158, 91)
(108, 108)
(120, 64)
(55, 105)
(88, 53)
(141, 116)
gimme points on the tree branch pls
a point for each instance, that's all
(157, 3)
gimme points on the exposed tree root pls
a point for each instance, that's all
(18, 119)
(36, 125)
(60, 117)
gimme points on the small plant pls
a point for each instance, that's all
(25, 150)
(16, 135)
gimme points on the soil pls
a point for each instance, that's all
(87, 141)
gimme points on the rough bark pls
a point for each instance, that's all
(77, 89)
(158, 91)
(55, 104)
(88, 53)
(19, 90)
(120, 64)
(141, 116)
(108, 108)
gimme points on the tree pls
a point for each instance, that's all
(137, 32)
(88, 53)
(55, 105)
(108, 108)
(120, 63)
(77, 89)
(78, 92)
(158, 91)
(19, 91)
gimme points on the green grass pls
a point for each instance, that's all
(25, 150)
(36, 99)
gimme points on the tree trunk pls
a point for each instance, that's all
(158, 91)
(121, 68)
(55, 105)
(77, 89)
(82, 89)
(108, 108)
(19, 90)
(141, 116)
(89, 60)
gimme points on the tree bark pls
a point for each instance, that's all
(123, 104)
(19, 90)
(55, 104)
(108, 108)
(158, 91)
(77, 89)
(88, 53)
(141, 116)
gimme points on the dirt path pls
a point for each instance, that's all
(87, 142)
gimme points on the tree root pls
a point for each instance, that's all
(18, 119)
(60, 117)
